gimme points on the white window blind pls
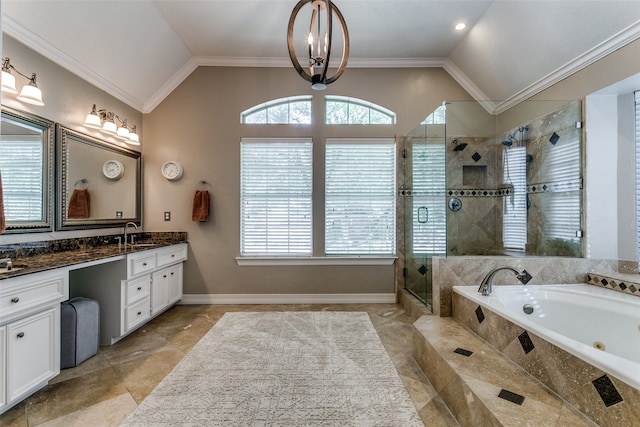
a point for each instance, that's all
(514, 222)
(429, 215)
(21, 164)
(563, 204)
(360, 214)
(637, 124)
(276, 197)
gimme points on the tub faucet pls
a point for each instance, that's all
(126, 227)
(487, 282)
(7, 263)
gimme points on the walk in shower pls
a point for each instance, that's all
(477, 183)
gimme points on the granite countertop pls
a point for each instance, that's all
(53, 255)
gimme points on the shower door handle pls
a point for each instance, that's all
(423, 215)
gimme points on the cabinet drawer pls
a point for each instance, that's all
(19, 297)
(141, 263)
(172, 255)
(136, 314)
(137, 289)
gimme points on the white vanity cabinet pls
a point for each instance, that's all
(133, 290)
(29, 333)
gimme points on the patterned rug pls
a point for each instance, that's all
(283, 369)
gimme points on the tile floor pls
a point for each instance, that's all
(103, 390)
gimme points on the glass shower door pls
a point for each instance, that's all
(424, 197)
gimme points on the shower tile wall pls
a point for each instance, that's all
(475, 176)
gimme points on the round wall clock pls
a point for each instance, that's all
(113, 169)
(172, 170)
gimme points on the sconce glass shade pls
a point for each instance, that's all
(8, 82)
(123, 132)
(109, 125)
(134, 139)
(93, 120)
(31, 94)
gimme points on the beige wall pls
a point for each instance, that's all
(199, 126)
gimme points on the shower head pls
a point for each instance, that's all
(508, 142)
(459, 146)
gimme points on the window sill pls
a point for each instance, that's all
(291, 261)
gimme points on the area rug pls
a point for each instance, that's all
(283, 369)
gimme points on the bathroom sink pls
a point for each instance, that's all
(143, 245)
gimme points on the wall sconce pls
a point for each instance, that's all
(319, 43)
(30, 93)
(106, 122)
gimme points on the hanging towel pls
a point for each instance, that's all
(200, 210)
(79, 205)
(3, 220)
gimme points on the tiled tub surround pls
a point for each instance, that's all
(479, 385)
(46, 255)
(602, 397)
(469, 270)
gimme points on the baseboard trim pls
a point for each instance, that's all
(288, 299)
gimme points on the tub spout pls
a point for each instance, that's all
(487, 282)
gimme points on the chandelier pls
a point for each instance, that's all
(318, 43)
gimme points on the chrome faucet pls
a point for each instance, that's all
(7, 263)
(487, 282)
(126, 227)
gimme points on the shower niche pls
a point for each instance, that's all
(518, 177)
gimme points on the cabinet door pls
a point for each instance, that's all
(175, 283)
(33, 352)
(159, 290)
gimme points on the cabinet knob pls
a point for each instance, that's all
(173, 255)
(20, 334)
(144, 264)
(139, 313)
(172, 273)
(165, 276)
(139, 288)
(15, 300)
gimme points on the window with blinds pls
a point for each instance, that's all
(429, 215)
(276, 197)
(637, 125)
(360, 202)
(563, 204)
(21, 167)
(514, 222)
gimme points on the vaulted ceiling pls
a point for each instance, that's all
(140, 50)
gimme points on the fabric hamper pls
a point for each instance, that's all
(79, 331)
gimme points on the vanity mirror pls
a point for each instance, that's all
(26, 164)
(98, 183)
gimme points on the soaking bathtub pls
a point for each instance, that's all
(599, 326)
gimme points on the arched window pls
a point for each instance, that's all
(342, 110)
(288, 111)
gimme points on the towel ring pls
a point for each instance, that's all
(201, 185)
(81, 184)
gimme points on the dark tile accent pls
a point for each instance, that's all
(607, 391)
(511, 396)
(463, 351)
(604, 282)
(476, 157)
(479, 314)
(554, 138)
(423, 270)
(622, 286)
(526, 343)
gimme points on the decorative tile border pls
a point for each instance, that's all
(624, 286)
(479, 192)
(555, 187)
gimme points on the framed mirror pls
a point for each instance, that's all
(26, 165)
(98, 183)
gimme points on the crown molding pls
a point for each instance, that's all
(468, 85)
(617, 41)
(44, 48)
(166, 89)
